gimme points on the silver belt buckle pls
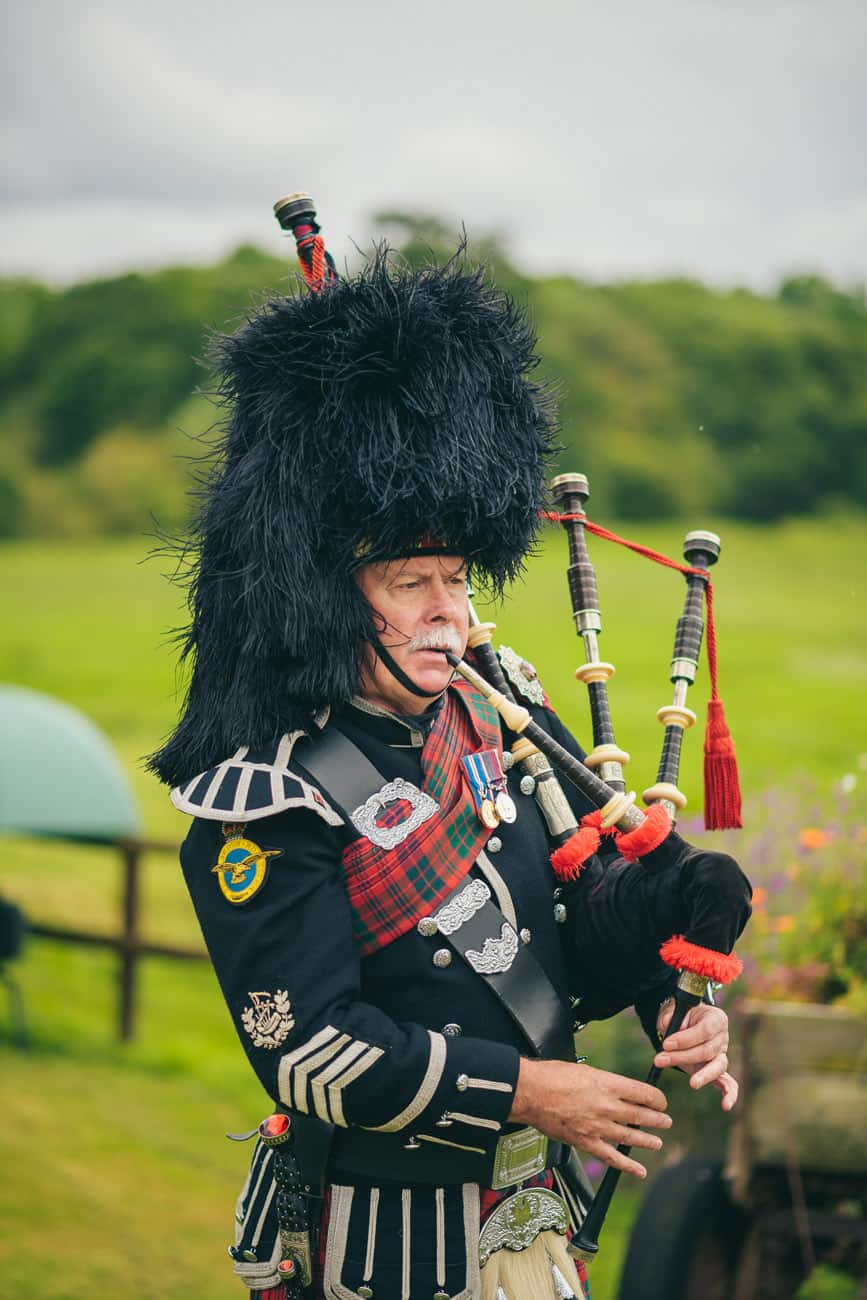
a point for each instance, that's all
(518, 1156)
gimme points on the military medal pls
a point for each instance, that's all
(498, 787)
(484, 772)
(489, 815)
(505, 806)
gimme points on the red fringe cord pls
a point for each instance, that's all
(569, 859)
(683, 955)
(633, 845)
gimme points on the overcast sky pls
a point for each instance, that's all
(718, 138)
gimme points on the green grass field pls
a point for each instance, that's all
(121, 1178)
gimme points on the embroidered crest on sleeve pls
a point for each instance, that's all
(269, 1020)
(242, 868)
(521, 674)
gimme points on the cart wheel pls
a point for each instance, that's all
(685, 1242)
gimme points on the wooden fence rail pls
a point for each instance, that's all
(127, 944)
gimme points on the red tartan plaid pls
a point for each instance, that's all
(389, 888)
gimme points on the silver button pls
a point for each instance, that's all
(508, 760)
(251, 1257)
(442, 958)
(445, 1120)
(494, 844)
(526, 935)
(559, 913)
(453, 1030)
(462, 1082)
(578, 1025)
(412, 1144)
(427, 926)
(528, 785)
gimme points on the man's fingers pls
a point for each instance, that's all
(728, 1086)
(609, 1155)
(696, 1034)
(633, 1137)
(705, 1051)
(640, 1115)
(643, 1094)
(711, 1072)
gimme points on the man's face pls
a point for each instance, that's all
(421, 602)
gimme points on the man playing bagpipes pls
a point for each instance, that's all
(371, 876)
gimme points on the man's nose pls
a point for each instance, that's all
(441, 606)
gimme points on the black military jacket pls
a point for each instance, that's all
(407, 1041)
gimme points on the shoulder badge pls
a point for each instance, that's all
(242, 868)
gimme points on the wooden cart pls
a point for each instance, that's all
(792, 1190)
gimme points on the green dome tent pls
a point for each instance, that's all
(58, 773)
(60, 777)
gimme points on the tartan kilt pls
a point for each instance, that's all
(365, 1230)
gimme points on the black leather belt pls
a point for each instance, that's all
(521, 986)
(486, 938)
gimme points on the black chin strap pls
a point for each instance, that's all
(397, 671)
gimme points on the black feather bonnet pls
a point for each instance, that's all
(390, 407)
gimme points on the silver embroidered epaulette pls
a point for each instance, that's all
(253, 784)
(521, 674)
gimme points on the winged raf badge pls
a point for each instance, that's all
(242, 868)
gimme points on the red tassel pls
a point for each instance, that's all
(568, 860)
(683, 955)
(632, 845)
(722, 791)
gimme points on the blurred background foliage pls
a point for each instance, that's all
(675, 397)
(680, 402)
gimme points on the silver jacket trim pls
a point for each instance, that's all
(464, 905)
(497, 955)
(388, 837)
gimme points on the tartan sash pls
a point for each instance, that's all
(389, 889)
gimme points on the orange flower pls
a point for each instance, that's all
(783, 924)
(760, 896)
(813, 837)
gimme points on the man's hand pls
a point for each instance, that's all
(700, 1048)
(590, 1109)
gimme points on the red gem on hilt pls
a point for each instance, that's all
(287, 1268)
(275, 1126)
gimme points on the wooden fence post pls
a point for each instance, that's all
(129, 951)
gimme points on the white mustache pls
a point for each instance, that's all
(445, 638)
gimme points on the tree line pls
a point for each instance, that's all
(676, 399)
